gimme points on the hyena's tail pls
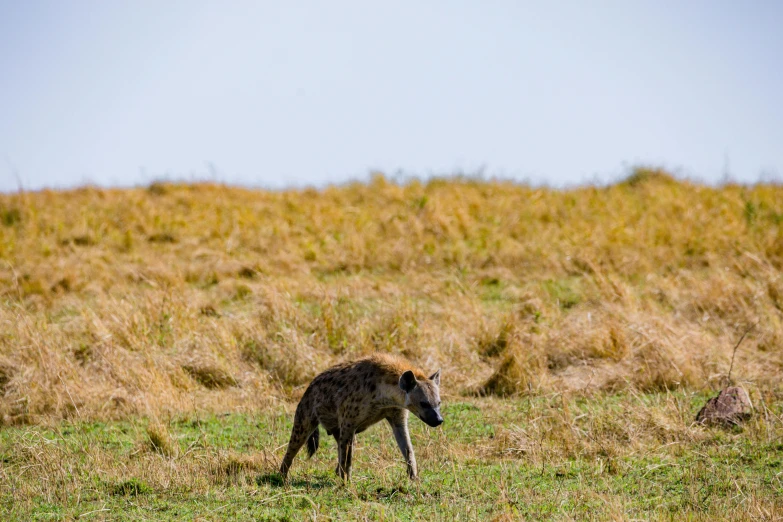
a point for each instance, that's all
(312, 442)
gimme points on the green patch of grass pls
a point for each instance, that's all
(620, 456)
(130, 487)
(565, 292)
(492, 289)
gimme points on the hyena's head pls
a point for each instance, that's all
(422, 397)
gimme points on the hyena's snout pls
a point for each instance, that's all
(432, 417)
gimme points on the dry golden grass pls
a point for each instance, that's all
(174, 298)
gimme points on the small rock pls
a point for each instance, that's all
(731, 406)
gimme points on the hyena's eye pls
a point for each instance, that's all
(426, 405)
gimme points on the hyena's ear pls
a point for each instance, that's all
(435, 377)
(407, 381)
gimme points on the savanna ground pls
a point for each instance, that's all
(154, 342)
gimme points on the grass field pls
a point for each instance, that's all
(154, 342)
(545, 457)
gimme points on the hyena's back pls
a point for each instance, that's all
(360, 391)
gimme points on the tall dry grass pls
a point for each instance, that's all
(179, 297)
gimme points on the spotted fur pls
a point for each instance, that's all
(350, 397)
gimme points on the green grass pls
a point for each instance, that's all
(473, 469)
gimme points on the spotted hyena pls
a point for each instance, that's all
(349, 398)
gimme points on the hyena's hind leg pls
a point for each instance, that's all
(336, 434)
(345, 452)
(305, 424)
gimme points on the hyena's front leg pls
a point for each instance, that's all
(399, 424)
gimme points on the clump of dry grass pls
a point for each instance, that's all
(775, 292)
(659, 367)
(520, 371)
(160, 440)
(582, 337)
(6, 374)
(396, 331)
(210, 376)
(493, 342)
(287, 365)
(233, 466)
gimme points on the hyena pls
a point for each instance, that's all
(349, 398)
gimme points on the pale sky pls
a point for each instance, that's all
(277, 94)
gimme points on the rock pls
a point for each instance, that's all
(732, 406)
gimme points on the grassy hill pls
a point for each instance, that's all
(614, 311)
